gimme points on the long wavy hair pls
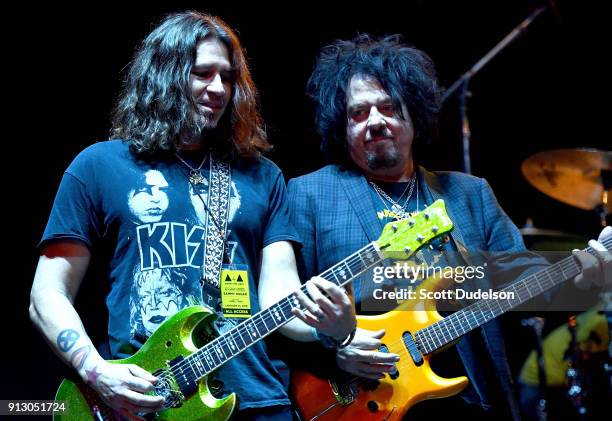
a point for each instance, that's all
(406, 73)
(156, 107)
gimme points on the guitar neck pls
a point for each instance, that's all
(221, 349)
(463, 321)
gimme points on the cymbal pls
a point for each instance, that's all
(572, 176)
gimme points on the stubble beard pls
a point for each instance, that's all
(383, 157)
(203, 129)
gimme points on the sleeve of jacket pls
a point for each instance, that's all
(507, 253)
(303, 217)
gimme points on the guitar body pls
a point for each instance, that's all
(180, 335)
(388, 399)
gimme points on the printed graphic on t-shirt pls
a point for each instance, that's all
(170, 238)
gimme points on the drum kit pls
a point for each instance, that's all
(581, 178)
(577, 177)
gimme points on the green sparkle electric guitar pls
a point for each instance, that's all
(184, 350)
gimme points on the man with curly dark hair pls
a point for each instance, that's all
(186, 204)
(374, 99)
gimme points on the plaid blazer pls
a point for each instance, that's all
(334, 215)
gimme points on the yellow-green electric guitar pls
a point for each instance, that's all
(184, 350)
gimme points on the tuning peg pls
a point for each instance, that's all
(394, 227)
(411, 222)
(426, 215)
(435, 229)
(408, 250)
(420, 238)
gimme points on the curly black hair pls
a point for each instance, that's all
(406, 73)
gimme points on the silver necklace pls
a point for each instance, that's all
(399, 210)
(195, 174)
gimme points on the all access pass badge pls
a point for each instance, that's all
(235, 299)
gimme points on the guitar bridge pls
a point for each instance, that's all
(344, 393)
(167, 388)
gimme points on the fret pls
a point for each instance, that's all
(490, 310)
(526, 287)
(193, 374)
(434, 335)
(277, 313)
(363, 262)
(245, 334)
(228, 347)
(482, 314)
(562, 271)
(371, 256)
(456, 323)
(558, 273)
(209, 352)
(340, 272)
(260, 325)
(252, 331)
(454, 328)
(349, 269)
(200, 366)
(294, 302)
(268, 320)
(505, 304)
(238, 334)
(469, 324)
(234, 348)
(547, 272)
(450, 335)
(431, 336)
(220, 353)
(331, 272)
(426, 343)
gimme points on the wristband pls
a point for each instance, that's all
(332, 343)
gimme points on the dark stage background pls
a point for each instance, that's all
(546, 91)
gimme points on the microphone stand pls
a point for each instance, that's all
(464, 82)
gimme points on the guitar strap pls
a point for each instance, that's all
(215, 245)
(490, 333)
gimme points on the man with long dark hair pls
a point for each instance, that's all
(375, 98)
(186, 204)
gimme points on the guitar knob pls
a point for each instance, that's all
(372, 406)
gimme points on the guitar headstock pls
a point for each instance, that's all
(408, 235)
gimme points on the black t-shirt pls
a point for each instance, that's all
(155, 223)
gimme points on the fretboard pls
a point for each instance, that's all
(463, 321)
(263, 323)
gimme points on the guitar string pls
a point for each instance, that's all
(568, 263)
(436, 327)
(284, 304)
